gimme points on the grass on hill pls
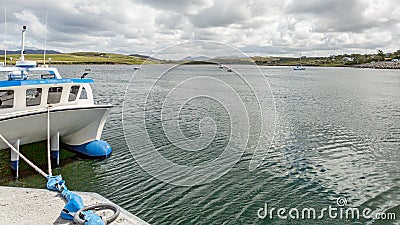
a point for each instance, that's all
(83, 58)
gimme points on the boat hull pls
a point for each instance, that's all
(299, 68)
(77, 126)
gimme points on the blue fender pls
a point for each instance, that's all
(96, 148)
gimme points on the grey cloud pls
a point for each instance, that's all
(170, 20)
(203, 34)
(335, 15)
(180, 6)
(72, 24)
(223, 13)
(263, 27)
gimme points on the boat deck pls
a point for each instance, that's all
(25, 206)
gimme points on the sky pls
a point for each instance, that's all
(256, 27)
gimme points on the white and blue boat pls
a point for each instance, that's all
(299, 67)
(37, 103)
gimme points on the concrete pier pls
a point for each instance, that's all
(25, 206)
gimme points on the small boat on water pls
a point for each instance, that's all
(37, 100)
(299, 67)
(221, 66)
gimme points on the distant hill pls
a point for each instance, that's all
(196, 58)
(30, 51)
(144, 56)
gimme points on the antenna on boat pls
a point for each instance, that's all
(22, 63)
(5, 32)
(45, 40)
(23, 44)
(84, 75)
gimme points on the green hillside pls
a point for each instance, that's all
(84, 58)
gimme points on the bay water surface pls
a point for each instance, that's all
(337, 136)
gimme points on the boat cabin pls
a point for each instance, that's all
(19, 93)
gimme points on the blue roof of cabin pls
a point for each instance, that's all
(13, 83)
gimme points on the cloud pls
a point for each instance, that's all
(282, 27)
(222, 13)
(353, 16)
(180, 6)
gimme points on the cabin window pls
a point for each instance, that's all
(6, 99)
(73, 93)
(54, 96)
(48, 76)
(33, 96)
(83, 94)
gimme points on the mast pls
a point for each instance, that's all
(5, 33)
(45, 41)
(23, 44)
(300, 59)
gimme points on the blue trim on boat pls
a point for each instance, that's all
(12, 83)
(55, 154)
(96, 148)
(25, 66)
(14, 165)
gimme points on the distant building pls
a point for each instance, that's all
(348, 59)
(105, 56)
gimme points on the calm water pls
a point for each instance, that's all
(337, 136)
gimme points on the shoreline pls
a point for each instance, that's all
(133, 60)
(379, 65)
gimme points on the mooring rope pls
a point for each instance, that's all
(79, 217)
(48, 141)
(24, 158)
(48, 149)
